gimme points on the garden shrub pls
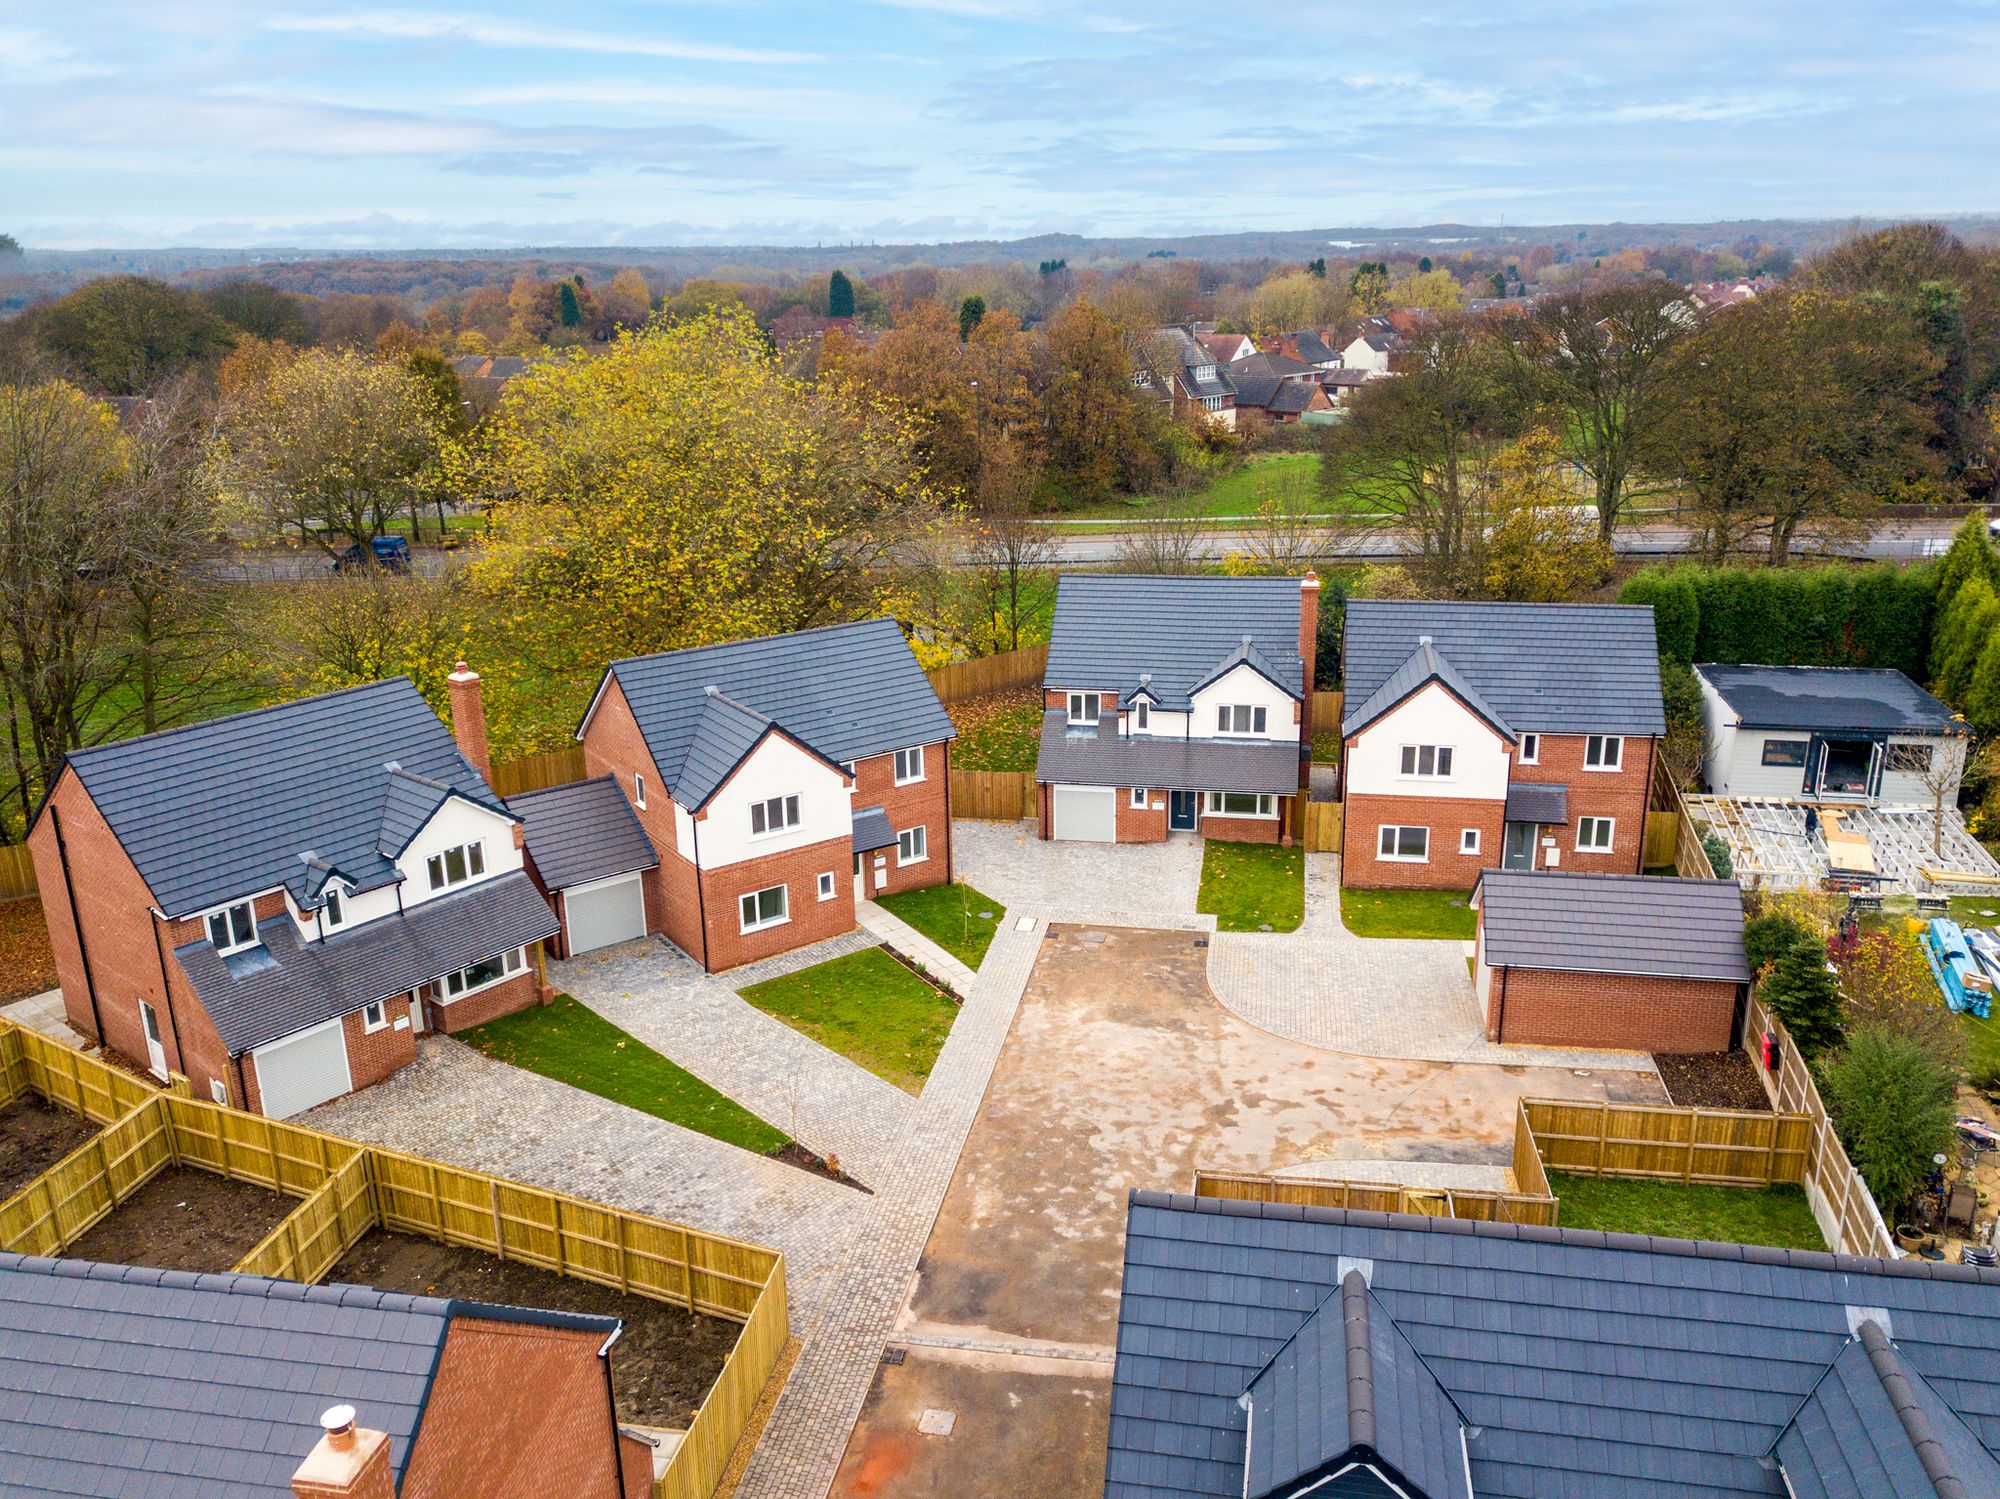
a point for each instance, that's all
(1803, 995)
(1717, 848)
(1887, 984)
(1767, 936)
(1891, 1104)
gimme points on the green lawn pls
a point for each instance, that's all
(1002, 731)
(1326, 746)
(1408, 913)
(869, 1008)
(1982, 1047)
(1777, 1216)
(573, 1044)
(1237, 493)
(956, 917)
(1250, 886)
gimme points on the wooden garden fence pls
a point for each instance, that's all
(537, 772)
(1321, 830)
(1689, 858)
(1841, 1202)
(994, 795)
(1379, 1197)
(17, 872)
(1327, 704)
(1710, 1147)
(1006, 672)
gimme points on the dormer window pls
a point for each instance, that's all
(456, 865)
(1084, 707)
(1142, 714)
(1240, 718)
(233, 928)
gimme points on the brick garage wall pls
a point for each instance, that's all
(919, 804)
(1147, 824)
(516, 993)
(1247, 829)
(613, 745)
(1621, 795)
(373, 1056)
(1446, 817)
(1544, 1008)
(798, 870)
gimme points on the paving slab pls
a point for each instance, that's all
(44, 1012)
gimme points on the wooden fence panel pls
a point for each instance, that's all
(312, 1238)
(993, 795)
(536, 772)
(1326, 709)
(696, 1467)
(1378, 1197)
(58, 1207)
(1714, 1147)
(1690, 859)
(65, 1077)
(1663, 840)
(1529, 1175)
(14, 1069)
(17, 872)
(1321, 834)
(269, 1153)
(1006, 672)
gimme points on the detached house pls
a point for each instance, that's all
(276, 904)
(1180, 372)
(1478, 735)
(779, 780)
(1176, 705)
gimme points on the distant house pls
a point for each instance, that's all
(1304, 345)
(1341, 384)
(1171, 365)
(1369, 353)
(1563, 958)
(1864, 736)
(1283, 389)
(483, 376)
(1226, 348)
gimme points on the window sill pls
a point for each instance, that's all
(1586, 853)
(763, 926)
(1401, 859)
(913, 781)
(1602, 770)
(903, 863)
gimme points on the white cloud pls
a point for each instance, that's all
(418, 26)
(37, 55)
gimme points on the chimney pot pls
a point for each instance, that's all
(338, 1424)
(348, 1462)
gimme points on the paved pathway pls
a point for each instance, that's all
(911, 943)
(44, 1012)
(1151, 883)
(817, 1096)
(459, 1106)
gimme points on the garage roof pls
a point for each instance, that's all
(583, 831)
(1612, 923)
(1828, 697)
(1100, 756)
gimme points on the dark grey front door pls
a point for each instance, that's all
(1518, 850)
(1181, 808)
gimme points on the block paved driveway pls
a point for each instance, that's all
(1122, 1071)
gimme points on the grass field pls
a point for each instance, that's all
(1408, 913)
(956, 917)
(1236, 493)
(1250, 886)
(869, 1008)
(1777, 1216)
(573, 1044)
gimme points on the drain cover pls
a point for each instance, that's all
(1201, 942)
(893, 1355)
(985, 915)
(937, 1423)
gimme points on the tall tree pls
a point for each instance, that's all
(10, 247)
(970, 311)
(1594, 361)
(839, 295)
(569, 307)
(125, 334)
(261, 311)
(1093, 419)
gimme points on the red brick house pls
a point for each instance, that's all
(780, 780)
(276, 904)
(1604, 960)
(1176, 705)
(1483, 735)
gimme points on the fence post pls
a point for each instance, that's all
(1603, 1129)
(499, 1229)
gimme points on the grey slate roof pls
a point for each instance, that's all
(1349, 1385)
(226, 808)
(1876, 1427)
(1530, 802)
(1829, 698)
(1425, 665)
(1545, 668)
(1595, 1366)
(1109, 628)
(849, 691)
(1098, 755)
(583, 831)
(1312, 348)
(872, 830)
(285, 984)
(723, 737)
(409, 804)
(1613, 923)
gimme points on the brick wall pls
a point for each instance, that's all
(613, 745)
(798, 870)
(504, 998)
(373, 1056)
(1621, 795)
(1447, 818)
(921, 803)
(1544, 1008)
(1147, 824)
(1246, 829)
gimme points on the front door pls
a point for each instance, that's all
(156, 1054)
(1181, 809)
(1518, 850)
(860, 880)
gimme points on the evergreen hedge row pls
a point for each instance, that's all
(1797, 616)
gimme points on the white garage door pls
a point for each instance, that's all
(302, 1070)
(604, 912)
(1087, 813)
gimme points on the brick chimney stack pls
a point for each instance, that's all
(468, 718)
(346, 1462)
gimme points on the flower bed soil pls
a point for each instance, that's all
(33, 1137)
(185, 1219)
(664, 1362)
(1712, 1080)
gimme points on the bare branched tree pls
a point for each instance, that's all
(1166, 540)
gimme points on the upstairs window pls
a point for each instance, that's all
(1084, 707)
(909, 765)
(773, 816)
(1531, 749)
(1603, 752)
(456, 865)
(1142, 715)
(233, 928)
(331, 909)
(1241, 718)
(639, 791)
(1432, 761)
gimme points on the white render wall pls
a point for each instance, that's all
(457, 821)
(1432, 716)
(1247, 685)
(777, 767)
(1733, 760)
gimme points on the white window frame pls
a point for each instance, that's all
(1610, 826)
(1256, 715)
(1139, 795)
(788, 812)
(472, 860)
(764, 923)
(1078, 701)
(917, 838)
(219, 1091)
(1397, 829)
(827, 889)
(226, 915)
(1410, 762)
(639, 790)
(332, 908)
(1267, 804)
(1468, 840)
(1142, 715)
(1531, 749)
(511, 963)
(1605, 745)
(379, 1010)
(910, 765)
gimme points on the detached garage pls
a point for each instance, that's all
(589, 855)
(1609, 960)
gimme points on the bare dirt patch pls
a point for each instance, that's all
(185, 1219)
(664, 1362)
(1712, 1080)
(33, 1137)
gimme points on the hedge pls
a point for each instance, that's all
(1797, 616)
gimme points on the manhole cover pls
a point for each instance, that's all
(937, 1423)
(893, 1355)
(1025, 924)
(1093, 937)
(1201, 942)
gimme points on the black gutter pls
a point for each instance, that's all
(1500, 1026)
(76, 921)
(611, 1409)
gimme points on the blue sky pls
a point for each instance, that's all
(226, 122)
